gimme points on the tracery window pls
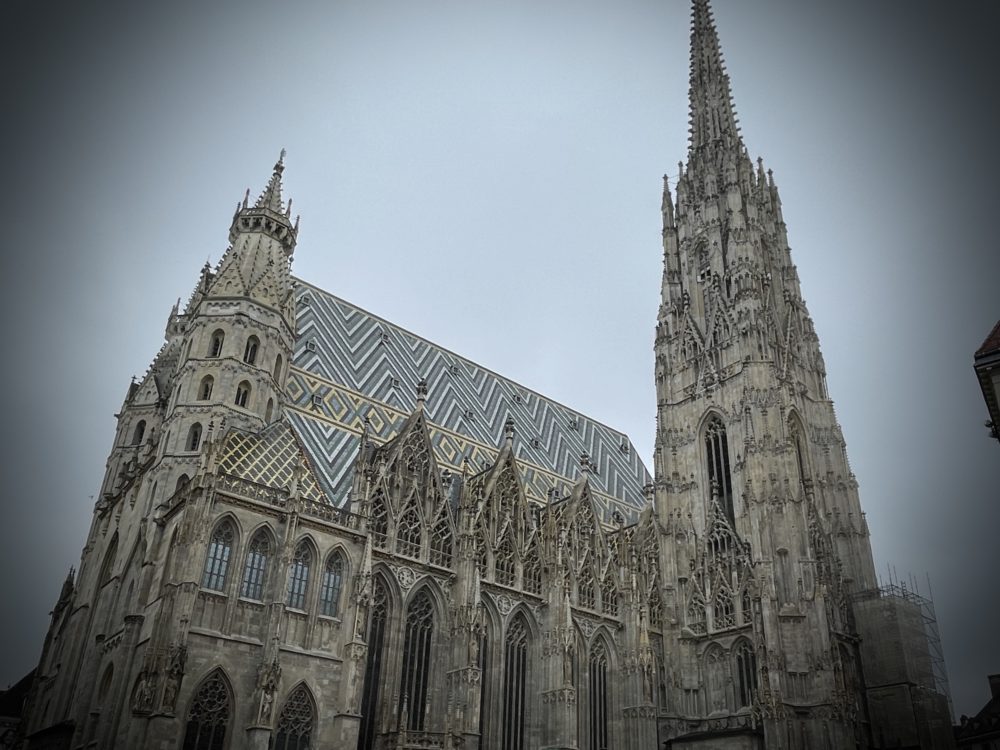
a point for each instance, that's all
(532, 572)
(194, 437)
(408, 533)
(373, 667)
(209, 715)
(746, 675)
(504, 562)
(441, 547)
(719, 477)
(515, 678)
(255, 568)
(416, 661)
(599, 697)
(696, 613)
(724, 612)
(298, 576)
(609, 595)
(242, 394)
(333, 576)
(220, 547)
(586, 595)
(296, 721)
(378, 522)
(215, 345)
(250, 351)
(205, 388)
(655, 607)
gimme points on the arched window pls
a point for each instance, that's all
(532, 571)
(298, 576)
(140, 432)
(720, 482)
(255, 568)
(504, 562)
(416, 662)
(205, 389)
(441, 542)
(724, 611)
(378, 522)
(269, 410)
(408, 533)
(609, 595)
(333, 577)
(599, 696)
(242, 394)
(378, 617)
(277, 369)
(715, 679)
(215, 344)
(217, 563)
(746, 675)
(250, 351)
(515, 669)
(296, 721)
(209, 715)
(798, 443)
(194, 437)
(586, 594)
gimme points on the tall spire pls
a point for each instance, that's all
(710, 100)
(271, 197)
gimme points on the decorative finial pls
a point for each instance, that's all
(585, 463)
(508, 429)
(421, 392)
(246, 198)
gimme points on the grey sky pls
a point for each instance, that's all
(488, 176)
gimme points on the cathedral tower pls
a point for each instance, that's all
(752, 482)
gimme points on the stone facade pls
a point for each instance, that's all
(251, 580)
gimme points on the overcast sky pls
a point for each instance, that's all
(487, 175)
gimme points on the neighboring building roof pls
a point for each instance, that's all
(349, 364)
(12, 699)
(992, 343)
(986, 724)
(987, 364)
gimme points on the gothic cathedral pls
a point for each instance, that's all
(319, 530)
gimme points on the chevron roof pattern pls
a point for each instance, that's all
(349, 363)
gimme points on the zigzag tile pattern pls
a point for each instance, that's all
(349, 363)
(269, 458)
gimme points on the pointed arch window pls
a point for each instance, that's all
(215, 344)
(715, 679)
(720, 481)
(378, 523)
(609, 595)
(724, 611)
(298, 576)
(532, 571)
(416, 662)
(504, 562)
(696, 613)
(140, 432)
(255, 568)
(220, 547)
(378, 618)
(269, 410)
(655, 606)
(296, 721)
(599, 697)
(277, 369)
(209, 716)
(586, 595)
(333, 576)
(250, 350)
(408, 533)
(515, 667)
(441, 547)
(242, 394)
(194, 437)
(746, 675)
(205, 388)
(109, 562)
(795, 433)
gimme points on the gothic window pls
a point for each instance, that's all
(746, 675)
(333, 577)
(746, 607)
(408, 533)
(515, 666)
(416, 661)
(269, 410)
(599, 697)
(655, 607)
(277, 369)
(295, 723)
(696, 613)
(242, 394)
(109, 562)
(255, 569)
(441, 547)
(140, 432)
(504, 562)
(220, 547)
(373, 667)
(715, 679)
(250, 351)
(719, 478)
(532, 572)
(724, 611)
(586, 596)
(378, 522)
(609, 595)
(209, 715)
(298, 576)
(215, 345)
(194, 437)
(795, 433)
(205, 389)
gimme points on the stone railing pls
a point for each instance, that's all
(408, 740)
(331, 513)
(252, 490)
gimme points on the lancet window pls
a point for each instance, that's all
(724, 612)
(242, 394)
(277, 369)
(378, 617)
(296, 721)
(655, 607)
(220, 548)
(333, 576)
(795, 433)
(532, 572)
(504, 562)
(298, 577)
(609, 595)
(717, 453)
(408, 533)
(378, 523)
(250, 352)
(140, 432)
(194, 437)
(205, 389)
(215, 345)
(599, 697)
(255, 568)
(746, 675)
(514, 681)
(441, 547)
(696, 613)
(416, 662)
(209, 716)
(586, 595)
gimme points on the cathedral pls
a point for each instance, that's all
(319, 530)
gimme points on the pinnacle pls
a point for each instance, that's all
(271, 197)
(712, 115)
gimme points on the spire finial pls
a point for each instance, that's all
(585, 464)
(421, 393)
(271, 197)
(712, 117)
(508, 430)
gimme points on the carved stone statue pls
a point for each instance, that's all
(142, 700)
(175, 672)
(267, 684)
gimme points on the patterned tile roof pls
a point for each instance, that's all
(349, 363)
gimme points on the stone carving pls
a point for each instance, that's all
(142, 699)
(175, 673)
(267, 685)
